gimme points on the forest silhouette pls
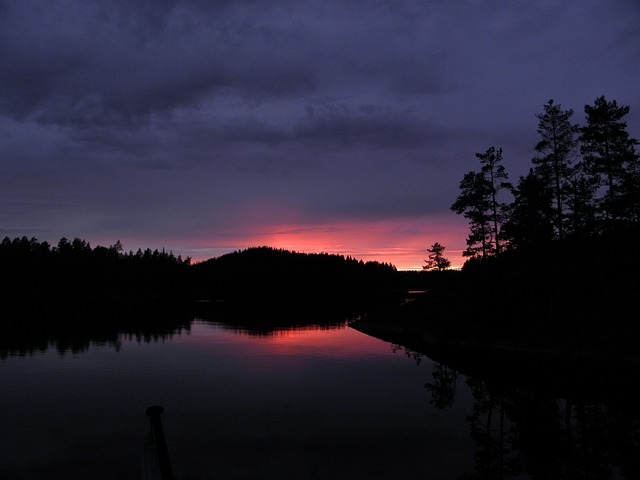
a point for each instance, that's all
(74, 273)
(552, 276)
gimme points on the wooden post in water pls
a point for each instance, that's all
(156, 464)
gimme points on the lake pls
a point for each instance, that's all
(293, 403)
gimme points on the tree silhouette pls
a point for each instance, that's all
(436, 260)
(610, 158)
(444, 386)
(554, 163)
(479, 202)
(473, 203)
(496, 176)
(580, 195)
(529, 223)
(73, 272)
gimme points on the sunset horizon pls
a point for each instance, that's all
(402, 243)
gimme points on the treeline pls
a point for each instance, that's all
(73, 271)
(558, 263)
(583, 184)
(553, 264)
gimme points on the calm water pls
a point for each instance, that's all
(309, 403)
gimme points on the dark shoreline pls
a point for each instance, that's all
(592, 364)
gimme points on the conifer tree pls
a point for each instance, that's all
(473, 202)
(529, 222)
(610, 159)
(554, 162)
(496, 177)
(479, 202)
(436, 260)
(583, 210)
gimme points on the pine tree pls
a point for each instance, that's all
(530, 214)
(583, 210)
(473, 202)
(479, 202)
(496, 176)
(436, 260)
(610, 158)
(554, 162)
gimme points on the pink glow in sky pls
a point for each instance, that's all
(401, 242)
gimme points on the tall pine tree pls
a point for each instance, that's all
(479, 202)
(554, 163)
(611, 160)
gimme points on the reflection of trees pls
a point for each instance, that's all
(443, 387)
(491, 431)
(589, 437)
(602, 439)
(575, 438)
(525, 431)
(416, 356)
(76, 334)
(270, 320)
(274, 331)
(530, 433)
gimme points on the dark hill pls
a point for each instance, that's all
(269, 274)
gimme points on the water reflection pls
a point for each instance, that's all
(521, 432)
(526, 431)
(73, 328)
(76, 335)
(277, 330)
(267, 321)
(251, 402)
(443, 387)
(76, 332)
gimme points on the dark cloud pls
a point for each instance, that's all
(368, 126)
(89, 67)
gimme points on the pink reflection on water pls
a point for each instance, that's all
(335, 341)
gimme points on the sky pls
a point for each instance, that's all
(205, 127)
